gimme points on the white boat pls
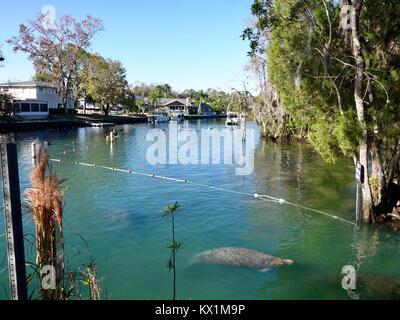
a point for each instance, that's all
(159, 117)
(177, 117)
(232, 119)
(102, 124)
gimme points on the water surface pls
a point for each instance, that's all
(119, 215)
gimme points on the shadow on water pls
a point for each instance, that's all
(319, 245)
(320, 282)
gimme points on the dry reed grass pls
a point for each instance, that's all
(44, 202)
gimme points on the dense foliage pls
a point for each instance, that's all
(8, 111)
(337, 72)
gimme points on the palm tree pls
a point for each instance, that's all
(174, 247)
(154, 97)
(166, 88)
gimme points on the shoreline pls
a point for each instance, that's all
(62, 123)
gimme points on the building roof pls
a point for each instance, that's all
(165, 101)
(30, 83)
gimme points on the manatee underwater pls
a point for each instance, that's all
(240, 257)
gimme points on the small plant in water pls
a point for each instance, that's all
(175, 246)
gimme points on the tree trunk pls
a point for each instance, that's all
(367, 204)
(66, 100)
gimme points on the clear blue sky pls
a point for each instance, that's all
(186, 43)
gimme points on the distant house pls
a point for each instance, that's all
(34, 98)
(185, 106)
(87, 107)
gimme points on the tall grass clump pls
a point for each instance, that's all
(45, 204)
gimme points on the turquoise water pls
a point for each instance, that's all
(119, 215)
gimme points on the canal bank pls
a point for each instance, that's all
(20, 126)
(197, 117)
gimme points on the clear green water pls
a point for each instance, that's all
(119, 215)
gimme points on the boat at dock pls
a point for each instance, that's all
(232, 119)
(102, 124)
(157, 117)
(177, 117)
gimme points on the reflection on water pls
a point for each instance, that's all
(120, 217)
(320, 246)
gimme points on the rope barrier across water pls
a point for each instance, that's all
(263, 197)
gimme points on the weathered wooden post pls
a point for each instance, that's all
(33, 150)
(243, 129)
(13, 218)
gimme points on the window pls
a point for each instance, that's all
(25, 107)
(43, 107)
(16, 106)
(35, 107)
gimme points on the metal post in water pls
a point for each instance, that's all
(357, 203)
(243, 129)
(359, 180)
(13, 219)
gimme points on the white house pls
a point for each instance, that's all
(34, 98)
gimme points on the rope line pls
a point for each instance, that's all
(263, 197)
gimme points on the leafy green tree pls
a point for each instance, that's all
(8, 111)
(43, 75)
(56, 48)
(155, 95)
(200, 97)
(220, 101)
(175, 246)
(339, 82)
(166, 89)
(105, 81)
(129, 102)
